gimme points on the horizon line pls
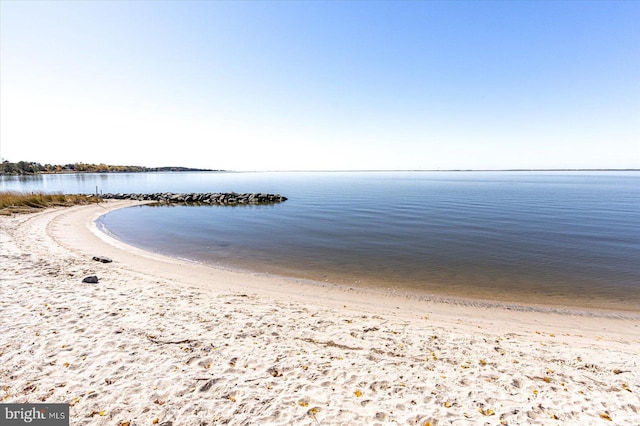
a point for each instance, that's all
(433, 170)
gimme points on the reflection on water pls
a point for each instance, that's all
(564, 238)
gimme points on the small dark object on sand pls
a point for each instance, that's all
(92, 279)
(102, 259)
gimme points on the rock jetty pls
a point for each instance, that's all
(214, 198)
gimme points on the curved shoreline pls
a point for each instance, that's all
(536, 303)
(164, 339)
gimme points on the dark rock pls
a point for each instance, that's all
(102, 259)
(92, 279)
(208, 385)
(229, 198)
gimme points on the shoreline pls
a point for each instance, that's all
(567, 304)
(184, 343)
(380, 294)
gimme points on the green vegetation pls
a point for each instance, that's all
(18, 202)
(32, 168)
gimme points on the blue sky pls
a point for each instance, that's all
(322, 85)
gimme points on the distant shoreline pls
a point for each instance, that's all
(29, 168)
(154, 170)
(23, 168)
(188, 170)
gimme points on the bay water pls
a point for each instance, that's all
(555, 238)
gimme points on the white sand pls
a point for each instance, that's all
(163, 341)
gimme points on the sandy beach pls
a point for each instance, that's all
(165, 341)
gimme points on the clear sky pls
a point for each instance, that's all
(322, 85)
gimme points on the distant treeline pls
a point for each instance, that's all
(32, 168)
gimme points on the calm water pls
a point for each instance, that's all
(552, 237)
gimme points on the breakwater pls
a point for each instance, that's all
(211, 198)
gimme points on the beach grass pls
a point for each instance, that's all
(26, 202)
